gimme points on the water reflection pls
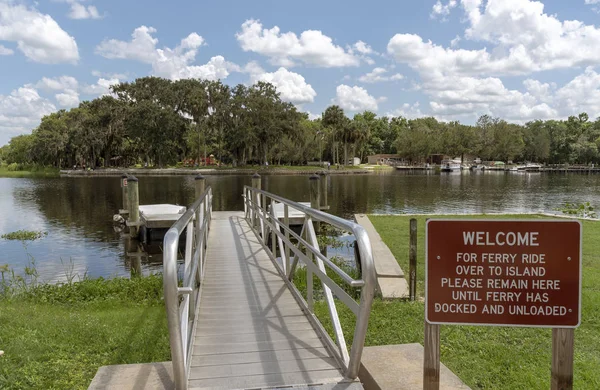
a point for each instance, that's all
(77, 212)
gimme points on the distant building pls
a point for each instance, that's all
(384, 159)
(354, 161)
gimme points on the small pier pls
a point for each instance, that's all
(240, 299)
(148, 222)
(414, 168)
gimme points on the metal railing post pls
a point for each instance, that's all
(286, 221)
(256, 183)
(180, 311)
(171, 242)
(306, 249)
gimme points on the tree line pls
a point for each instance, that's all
(159, 122)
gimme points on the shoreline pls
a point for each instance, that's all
(209, 172)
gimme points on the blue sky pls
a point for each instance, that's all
(452, 59)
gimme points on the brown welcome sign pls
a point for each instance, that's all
(503, 273)
(518, 273)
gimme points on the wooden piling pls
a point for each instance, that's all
(256, 182)
(134, 206)
(134, 253)
(200, 185)
(412, 285)
(431, 364)
(315, 197)
(324, 184)
(124, 192)
(562, 358)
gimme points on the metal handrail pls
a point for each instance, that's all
(181, 301)
(264, 223)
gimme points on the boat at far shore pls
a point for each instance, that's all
(450, 165)
(529, 167)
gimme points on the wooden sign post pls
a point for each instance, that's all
(504, 273)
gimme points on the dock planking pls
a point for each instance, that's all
(251, 332)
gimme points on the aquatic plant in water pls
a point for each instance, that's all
(24, 235)
(582, 210)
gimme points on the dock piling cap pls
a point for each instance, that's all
(132, 178)
(256, 175)
(199, 177)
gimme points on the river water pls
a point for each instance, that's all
(77, 212)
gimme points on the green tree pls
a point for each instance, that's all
(536, 139)
(50, 140)
(336, 122)
(18, 149)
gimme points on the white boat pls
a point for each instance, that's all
(477, 167)
(450, 165)
(529, 167)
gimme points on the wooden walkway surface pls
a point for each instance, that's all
(251, 332)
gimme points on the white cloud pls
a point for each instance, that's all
(215, 69)
(541, 91)
(292, 86)
(409, 111)
(582, 94)
(363, 48)
(519, 39)
(379, 75)
(592, 1)
(473, 97)
(69, 98)
(5, 51)
(312, 116)
(102, 87)
(58, 83)
(442, 10)
(312, 47)
(108, 75)
(525, 40)
(173, 63)
(454, 43)
(21, 111)
(253, 68)
(38, 36)
(142, 46)
(67, 87)
(80, 11)
(354, 98)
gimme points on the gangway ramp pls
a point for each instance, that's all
(236, 320)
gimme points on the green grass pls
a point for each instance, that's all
(56, 337)
(486, 357)
(32, 172)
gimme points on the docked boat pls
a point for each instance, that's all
(450, 166)
(529, 167)
(477, 167)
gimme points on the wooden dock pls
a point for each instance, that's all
(160, 215)
(295, 217)
(251, 332)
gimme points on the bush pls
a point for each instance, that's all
(14, 167)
